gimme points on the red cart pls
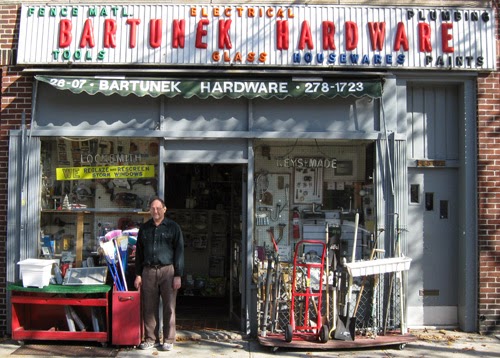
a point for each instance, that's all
(309, 258)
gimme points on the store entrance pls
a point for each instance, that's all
(206, 201)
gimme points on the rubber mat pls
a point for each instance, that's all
(77, 350)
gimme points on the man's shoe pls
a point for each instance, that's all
(146, 345)
(167, 346)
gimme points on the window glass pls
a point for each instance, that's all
(111, 173)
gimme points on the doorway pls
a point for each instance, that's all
(433, 247)
(206, 201)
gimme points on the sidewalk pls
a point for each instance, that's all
(208, 344)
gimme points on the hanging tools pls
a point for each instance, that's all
(327, 274)
(272, 286)
(281, 229)
(346, 325)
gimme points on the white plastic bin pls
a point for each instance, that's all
(379, 266)
(36, 272)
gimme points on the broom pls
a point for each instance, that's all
(113, 236)
(108, 250)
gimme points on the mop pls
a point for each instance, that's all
(123, 250)
(108, 250)
(113, 236)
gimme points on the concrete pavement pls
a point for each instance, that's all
(208, 344)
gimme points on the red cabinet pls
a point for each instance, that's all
(42, 313)
(126, 318)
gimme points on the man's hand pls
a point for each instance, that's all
(177, 283)
(138, 282)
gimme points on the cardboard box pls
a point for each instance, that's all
(36, 272)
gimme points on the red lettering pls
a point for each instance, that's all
(446, 37)
(87, 38)
(155, 26)
(109, 33)
(351, 35)
(306, 37)
(328, 35)
(377, 35)
(65, 37)
(224, 38)
(282, 35)
(132, 42)
(178, 33)
(424, 37)
(201, 32)
(401, 39)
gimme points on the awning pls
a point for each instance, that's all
(217, 88)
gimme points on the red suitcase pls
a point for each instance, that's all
(126, 319)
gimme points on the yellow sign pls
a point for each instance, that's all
(106, 172)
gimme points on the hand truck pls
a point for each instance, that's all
(308, 296)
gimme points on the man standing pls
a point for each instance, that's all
(159, 265)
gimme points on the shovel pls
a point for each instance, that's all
(346, 326)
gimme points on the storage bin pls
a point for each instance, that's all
(36, 272)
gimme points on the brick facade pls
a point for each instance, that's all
(16, 98)
(488, 129)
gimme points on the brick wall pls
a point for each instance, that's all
(15, 98)
(488, 128)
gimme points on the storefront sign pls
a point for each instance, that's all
(326, 36)
(312, 163)
(106, 172)
(216, 87)
(110, 158)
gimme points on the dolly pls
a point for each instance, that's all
(307, 294)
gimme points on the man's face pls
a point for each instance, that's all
(157, 210)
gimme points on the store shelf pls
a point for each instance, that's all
(74, 222)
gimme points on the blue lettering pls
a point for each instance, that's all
(388, 59)
(332, 58)
(343, 58)
(308, 57)
(354, 58)
(377, 59)
(296, 57)
(401, 59)
(320, 57)
(365, 60)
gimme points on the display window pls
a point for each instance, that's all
(91, 186)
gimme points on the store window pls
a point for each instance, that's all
(91, 186)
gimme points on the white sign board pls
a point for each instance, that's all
(302, 36)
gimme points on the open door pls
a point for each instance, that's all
(206, 201)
